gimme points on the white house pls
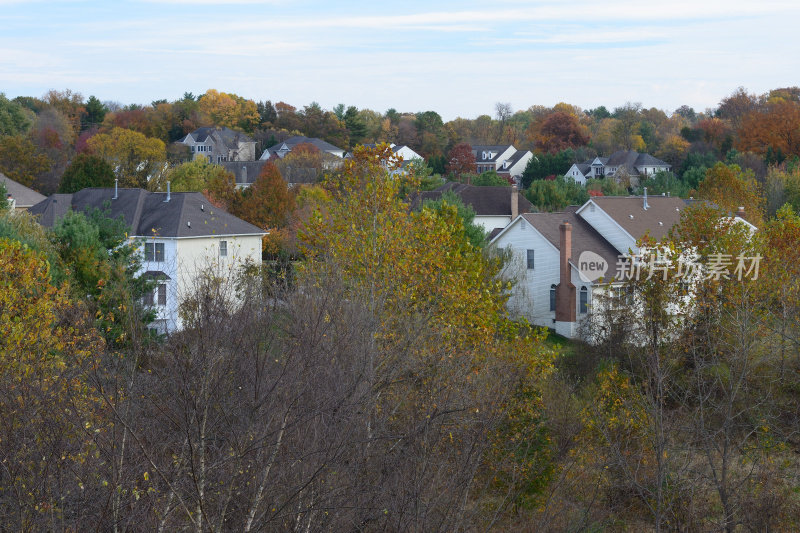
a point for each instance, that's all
(182, 237)
(633, 163)
(563, 261)
(220, 144)
(504, 159)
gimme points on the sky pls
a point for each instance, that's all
(455, 58)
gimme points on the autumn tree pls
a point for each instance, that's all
(267, 203)
(304, 164)
(776, 129)
(730, 188)
(20, 161)
(560, 131)
(460, 160)
(229, 110)
(14, 118)
(49, 410)
(136, 159)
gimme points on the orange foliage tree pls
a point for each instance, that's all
(730, 187)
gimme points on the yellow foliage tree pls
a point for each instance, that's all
(48, 409)
(229, 110)
(137, 160)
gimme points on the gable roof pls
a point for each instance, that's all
(496, 151)
(291, 142)
(628, 211)
(147, 214)
(230, 138)
(485, 201)
(584, 237)
(22, 195)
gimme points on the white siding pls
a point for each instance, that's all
(606, 227)
(490, 222)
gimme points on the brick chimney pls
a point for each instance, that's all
(565, 290)
(740, 212)
(514, 202)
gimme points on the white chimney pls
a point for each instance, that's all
(168, 193)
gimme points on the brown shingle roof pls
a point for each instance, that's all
(628, 211)
(584, 237)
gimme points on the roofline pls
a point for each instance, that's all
(591, 200)
(532, 226)
(155, 237)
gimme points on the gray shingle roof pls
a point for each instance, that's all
(245, 172)
(291, 142)
(483, 200)
(147, 214)
(229, 137)
(495, 149)
(22, 195)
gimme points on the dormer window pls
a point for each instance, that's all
(484, 155)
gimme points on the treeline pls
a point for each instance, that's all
(40, 136)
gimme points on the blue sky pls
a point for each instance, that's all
(456, 58)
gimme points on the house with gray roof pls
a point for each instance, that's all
(504, 159)
(634, 164)
(182, 237)
(19, 196)
(282, 148)
(220, 144)
(495, 207)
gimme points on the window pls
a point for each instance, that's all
(154, 251)
(192, 148)
(158, 295)
(584, 300)
(530, 259)
(553, 297)
(162, 293)
(223, 248)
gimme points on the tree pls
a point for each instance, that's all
(543, 165)
(49, 410)
(95, 113)
(460, 160)
(490, 178)
(196, 175)
(730, 188)
(267, 203)
(20, 161)
(229, 110)
(474, 232)
(86, 171)
(560, 131)
(555, 195)
(14, 118)
(775, 129)
(136, 159)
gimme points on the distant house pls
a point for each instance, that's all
(282, 148)
(495, 207)
(245, 172)
(182, 236)
(20, 197)
(506, 160)
(220, 144)
(633, 163)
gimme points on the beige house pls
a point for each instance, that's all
(220, 144)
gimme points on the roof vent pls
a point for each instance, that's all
(168, 193)
(189, 223)
(660, 223)
(116, 189)
(202, 207)
(631, 216)
(644, 202)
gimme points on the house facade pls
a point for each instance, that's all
(564, 261)
(220, 144)
(506, 160)
(182, 238)
(632, 163)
